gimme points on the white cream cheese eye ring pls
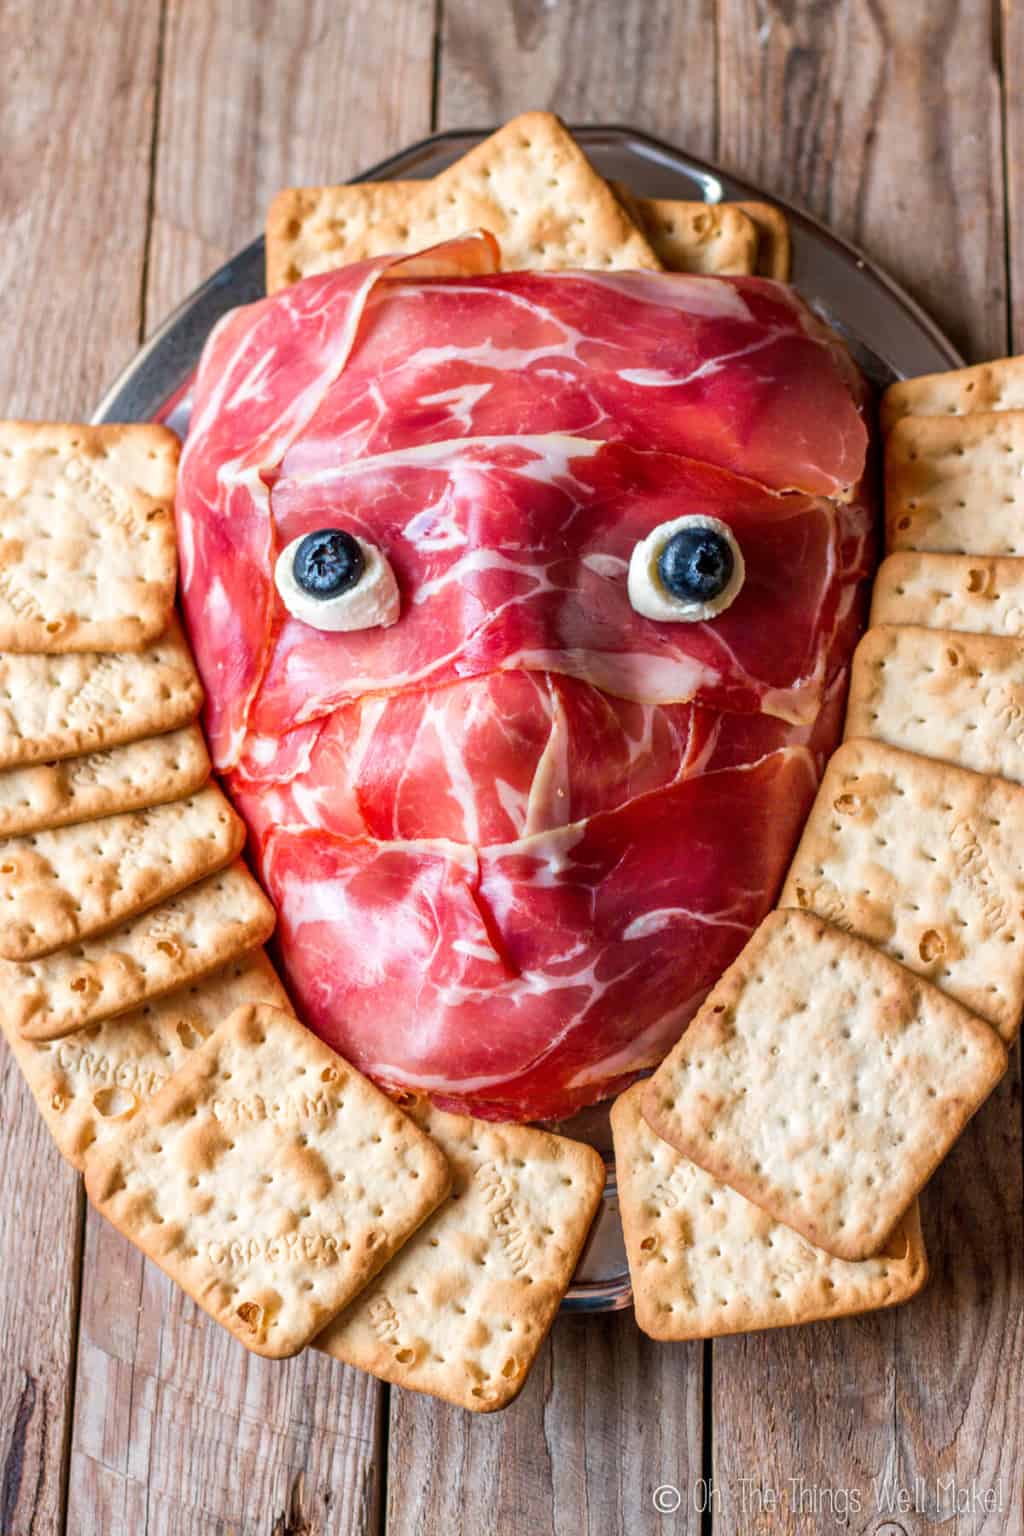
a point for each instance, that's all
(686, 571)
(333, 580)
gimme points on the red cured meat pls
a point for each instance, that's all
(532, 972)
(515, 837)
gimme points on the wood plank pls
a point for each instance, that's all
(180, 1432)
(887, 125)
(585, 60)
(259, 97)
(579, 1453)
(1011, 48)
(177, 1430)
(885, 122)
(73, 186)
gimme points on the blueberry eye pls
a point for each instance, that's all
(686, 571)
(334, 581)
(696, 564)
(328, 563)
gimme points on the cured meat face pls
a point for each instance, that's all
(514, 836)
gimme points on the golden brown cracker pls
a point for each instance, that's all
(87, 550)
(943, 694)
(269, 1179)
(59, 887)
(66, 706)
(168, 947)
(43, 796)
(926, 862)
(90, 1085)
(705, 1262)
(463, 1309)
(824, 1082)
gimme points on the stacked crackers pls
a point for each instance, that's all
(283, 1191)
(533, 188)
(121, 885)
(768, 1171)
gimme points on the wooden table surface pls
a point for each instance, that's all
(139, 143)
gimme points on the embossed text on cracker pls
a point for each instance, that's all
(506, 1215)
(320, 1248)
(977, 872)
(288, 1110)
(96, 1066)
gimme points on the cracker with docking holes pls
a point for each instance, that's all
(90, 1085)
(87, 551)
(705, 1262)
(706, 238)
(317, 229)
(953, 486)
(997, 386)
(978, 594)
(530, 184)
(269, 1179)
(59, 887)
(926, 862)
(774, 247)
(943, 694)
(66, 706)
(463, 1309)
(824, 1082)
(171, 945)
(43, 796)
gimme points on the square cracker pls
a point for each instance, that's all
(997, 386)
(705, 1262)
(317, 229)
(168, 947)
(87, 549)
(954, 486)
(530, 184)
(978, 594)
(269, 1179)
(925, 861)
(89, 1085)
(943, 694)
(707, 238)
(59, 887)
(130, 778)
(66, 706)
(824, 1082)
(462, 1311)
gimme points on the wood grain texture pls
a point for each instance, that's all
(883, 118)
(40, 1238)
(180, 1432)
(75, 127)
(605, 1418)
(1011, 57)
(649, 63)
(177, 1431)
(74, 170)
(885, 121)
(586, 1448)
(256, 97)
(922, 1403)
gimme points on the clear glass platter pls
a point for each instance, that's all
(889, 335)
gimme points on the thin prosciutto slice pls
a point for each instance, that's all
(515, 837)
(591, 944)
